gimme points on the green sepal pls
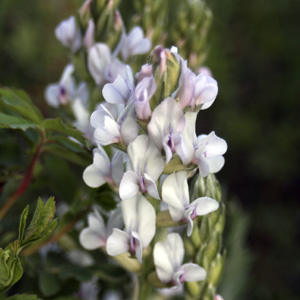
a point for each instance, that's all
(176, 165)
(164, 219)
(166, 72)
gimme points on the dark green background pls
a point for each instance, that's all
(254, 55)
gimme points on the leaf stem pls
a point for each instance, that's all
(25, 182)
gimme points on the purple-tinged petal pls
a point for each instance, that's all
(138, 246)
(166, 118)
(139, 215)
(206, 90)
(116, 92)
(168, 256)
(151, 187)
(89, 40)
(51, 95)
(143, 93)
(192, 272)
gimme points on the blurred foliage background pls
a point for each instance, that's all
(254, 55)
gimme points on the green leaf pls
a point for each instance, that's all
(24, 297)
(68, 144)
(23, 223)
(42, 223)
(10, 268)
(35, 219)
(81, 160)
(19, 102)
(7, 121)
(49, 284)
(58, 126)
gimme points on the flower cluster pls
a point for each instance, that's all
(149, 120)
(151, 126)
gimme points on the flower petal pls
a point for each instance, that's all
(93, 177)
(204, 205)
(139, 215)
(90, 239)
(139, 246)
(168, 256)
(129, 185)
(176, 194)
(117, 243)
(193, 272)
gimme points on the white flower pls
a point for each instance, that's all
(139, 220)
(82, 117)
(208, 154)
(113, 124)
(168, 257)
(68, 34)
(103, 66)
(175, 193)
(147, 164)
(97, 233)
(166, 127)
(134, 43)
(120, 91)
(103, 169)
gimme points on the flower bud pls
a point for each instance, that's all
(166, 70)
(68, 34)
(85, 13)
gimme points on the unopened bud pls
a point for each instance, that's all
(166, 70)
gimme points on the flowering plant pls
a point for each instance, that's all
(154, 204)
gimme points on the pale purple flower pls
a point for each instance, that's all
(196, 91)
(114, 128)
(134, 43)
(103, 66)
(175, 193)
(166, 127)
(142, 95)
(103, 169)
(208, 154)
(89, 40)
(168, 257)
(206, 90)
(139, 219)
(65, 90)
(68, 34)
(97, 233)
(146, 71)
(147, 165)
(121, 90)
